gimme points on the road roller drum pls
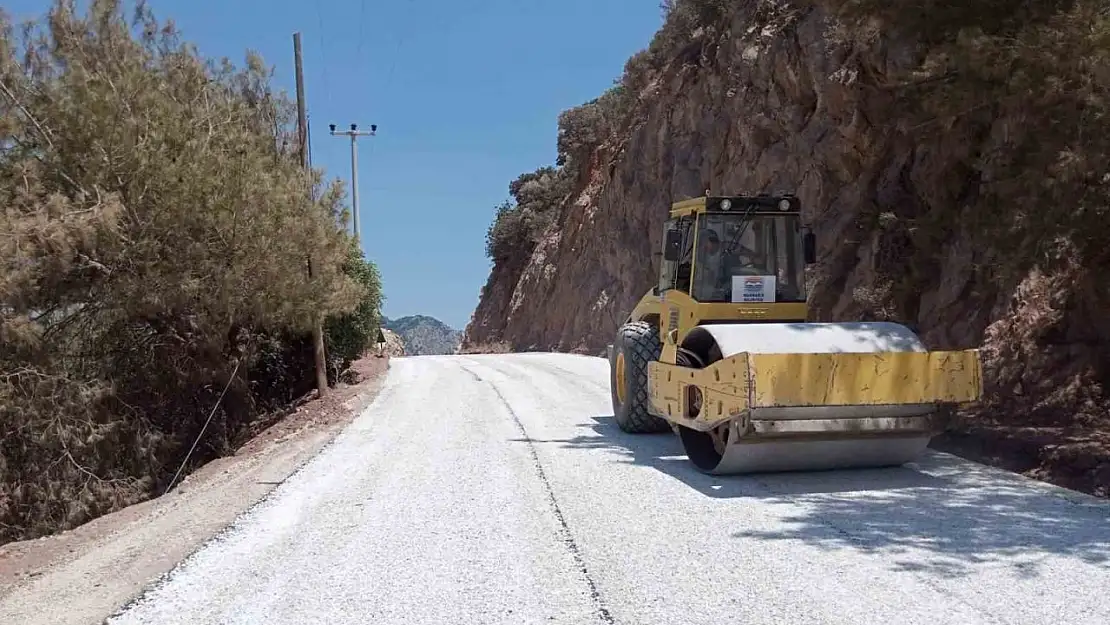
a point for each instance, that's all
(721, 352)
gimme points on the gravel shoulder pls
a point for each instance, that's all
(81, 576)
(1077, 457)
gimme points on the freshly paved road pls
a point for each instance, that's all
(497, 489)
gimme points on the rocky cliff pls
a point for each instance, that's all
(423, 335)
(394, 344)
(950, 158)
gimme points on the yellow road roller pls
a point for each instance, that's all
(721, 352)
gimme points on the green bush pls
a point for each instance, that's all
(684, 21)
(538, 197)
(156, 239)
(583, 129)
(347, 336)
(518, 226)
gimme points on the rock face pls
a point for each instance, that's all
(423, 335)
(394, 345)
(916, 160)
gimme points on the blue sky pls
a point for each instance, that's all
(465, 95)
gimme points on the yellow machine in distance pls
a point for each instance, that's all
(720, 351)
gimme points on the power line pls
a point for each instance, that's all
(392, 66)
(396, 54)
(323, 51)
(308, 129)
(361, 25)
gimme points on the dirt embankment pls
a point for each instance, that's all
(946, 160)
(81, 576)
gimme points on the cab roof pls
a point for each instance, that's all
(759, 204)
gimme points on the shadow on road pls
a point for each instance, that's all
(664, 452)
(960, 516)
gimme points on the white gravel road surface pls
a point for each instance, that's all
(497, 489)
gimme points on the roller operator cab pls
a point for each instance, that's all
(721, 352)
(738, 250)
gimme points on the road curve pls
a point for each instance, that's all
(497, 489)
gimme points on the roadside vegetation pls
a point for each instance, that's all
(537, 198)
(159, 242)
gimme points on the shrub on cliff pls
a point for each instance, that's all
(518, 225)
(155, 242)
(585, 128)
(685, 23)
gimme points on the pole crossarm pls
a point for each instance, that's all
(354, 133)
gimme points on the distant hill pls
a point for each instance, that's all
(423, 335)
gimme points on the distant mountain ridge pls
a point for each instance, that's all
(424, 335)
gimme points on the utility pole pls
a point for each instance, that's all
(354, 133)
(302, 132)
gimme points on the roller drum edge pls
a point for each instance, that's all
(903, 438)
